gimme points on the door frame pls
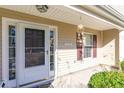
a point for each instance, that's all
(5, 21)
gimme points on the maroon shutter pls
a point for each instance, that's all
(94, 46)
(79, 53)
(79, 44)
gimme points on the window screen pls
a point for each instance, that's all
(34, 47)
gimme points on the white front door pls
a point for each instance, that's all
(29, 52)
(33, 53)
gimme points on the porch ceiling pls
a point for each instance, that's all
(63, 14)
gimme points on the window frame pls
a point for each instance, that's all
(83, 46)
(11, 69)
(88, 46)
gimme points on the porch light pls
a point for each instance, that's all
(80, 26)
(42, 8)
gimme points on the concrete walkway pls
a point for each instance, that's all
(78, 79)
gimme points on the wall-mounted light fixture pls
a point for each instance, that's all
(42, 8)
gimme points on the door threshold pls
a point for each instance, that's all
(36, 83)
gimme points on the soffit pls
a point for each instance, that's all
(63, 14)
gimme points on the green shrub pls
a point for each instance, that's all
(122, 65)
(107, 80)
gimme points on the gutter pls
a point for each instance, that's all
(104, 13)
(112, 12)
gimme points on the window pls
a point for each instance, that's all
(12, 44)
(34, 47)
(52, 43)
(86, 45)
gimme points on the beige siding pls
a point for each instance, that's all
(67, 54)
(66, 42)
(111, 47)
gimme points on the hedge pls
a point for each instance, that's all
(107, 80)
(122, 65)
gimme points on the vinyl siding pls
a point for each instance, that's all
(67, 53)
(111, 47)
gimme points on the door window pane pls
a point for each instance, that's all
(52, 50)
(51, 66)
(51, 58)
(34, 47)
(11, 52)
(11, 30)
(12, 44)
(12, 41)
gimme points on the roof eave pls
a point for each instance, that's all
(105, 13)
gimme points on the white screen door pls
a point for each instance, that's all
(33, 53)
